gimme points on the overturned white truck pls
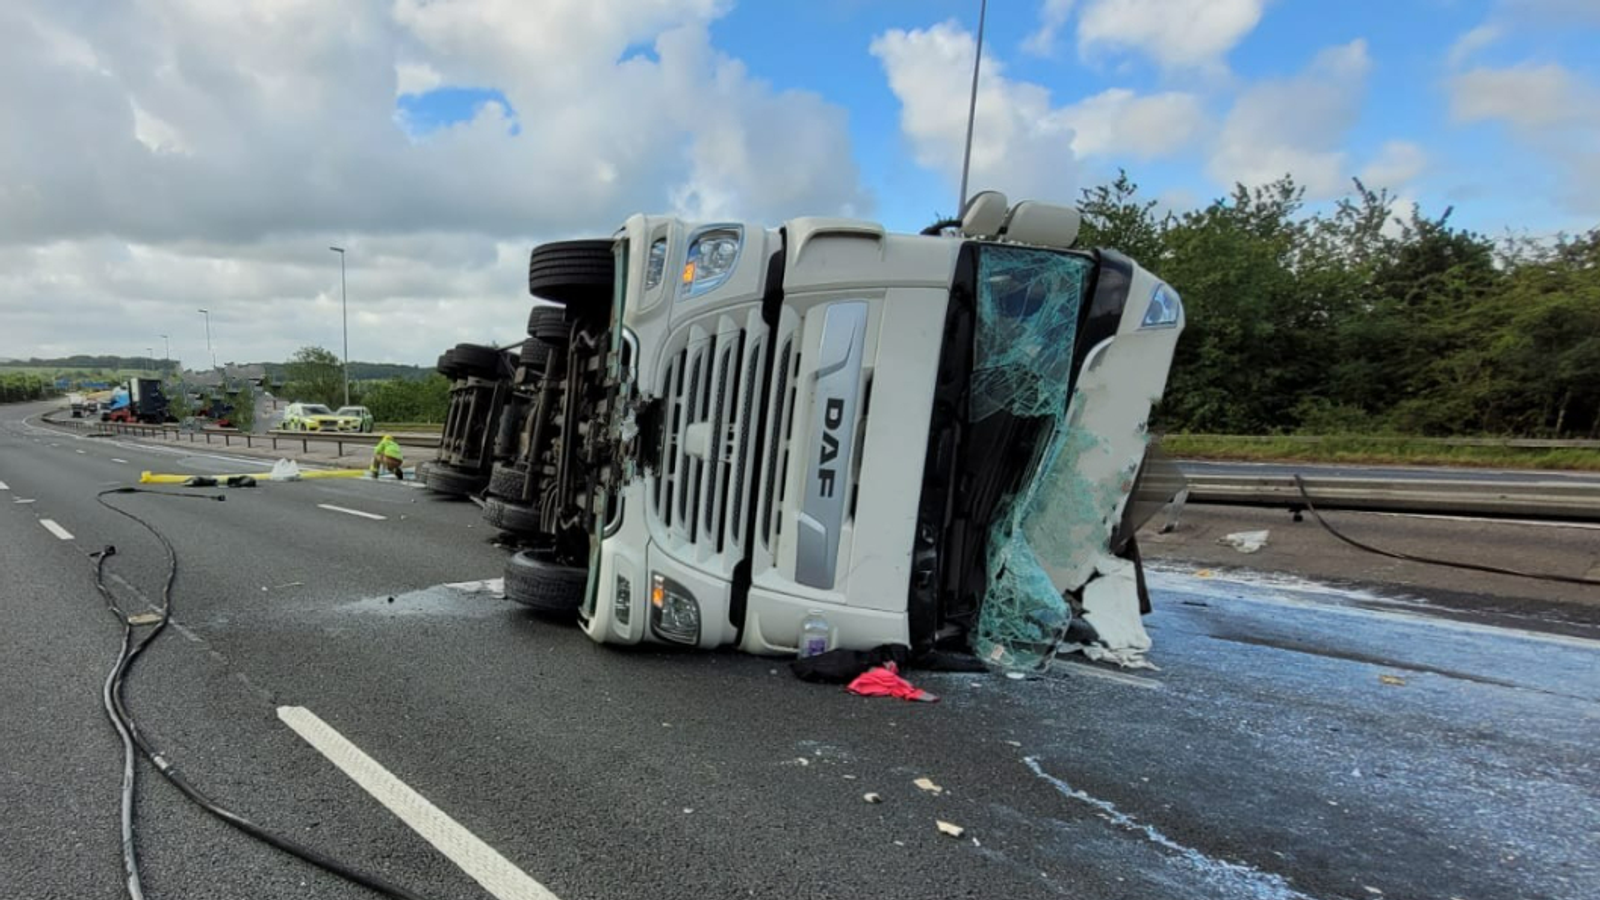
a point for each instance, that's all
(919, 439)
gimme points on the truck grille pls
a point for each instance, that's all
(709, 391)
(778, 442)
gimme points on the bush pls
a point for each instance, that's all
(425, 399)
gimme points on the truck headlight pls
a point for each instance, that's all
(622, 601)
(674, 613)
(1164, 309)
(712, 256)
(656, 264)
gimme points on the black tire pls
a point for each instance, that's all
(535, 355)
(449, 480)
(537, 582)
(547, 325)
(506, 480)
(518, 518)
(475, 359)
(447, 365)
(569, 272)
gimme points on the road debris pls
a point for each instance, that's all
(927, 784)
(1246, 541)
(885, 681)
(872, 797)
(951, 829)
(844, 666)
(1395, 680)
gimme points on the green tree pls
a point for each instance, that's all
(424, 399)
(315, 375)
(244, 407)
(1114, 217)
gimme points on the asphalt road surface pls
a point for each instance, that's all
(1403, 473)
(1296, 741)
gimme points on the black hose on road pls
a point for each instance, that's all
(1452, 563)
(122, 720)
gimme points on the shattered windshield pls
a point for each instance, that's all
(1028, 304)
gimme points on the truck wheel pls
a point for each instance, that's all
(547, 325)
(539, 583)
(535, 355)
(508, 516)
(448, 480)
(447, 365)
(474, 359)
(507, 479)
(572, 272)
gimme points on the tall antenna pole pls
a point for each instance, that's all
(972, 108)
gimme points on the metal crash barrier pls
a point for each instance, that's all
(229, 436)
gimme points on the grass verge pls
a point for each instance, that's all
(1362, 450)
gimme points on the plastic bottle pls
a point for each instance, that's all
(814, 634)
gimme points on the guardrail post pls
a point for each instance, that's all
(274, 442)
(227, 439)
(339, 445)
(303, 447)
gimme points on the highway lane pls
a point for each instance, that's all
(1268, 757)
(1404, 473)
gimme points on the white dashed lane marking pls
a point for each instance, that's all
(482, 862)
(115, 460)
(51, 526)
(4, 486)
(351, 512)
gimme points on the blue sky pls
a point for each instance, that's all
(1481, 167)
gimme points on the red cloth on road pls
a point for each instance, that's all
(885, 681)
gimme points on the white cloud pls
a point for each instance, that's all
(1176, 34)
(1396, 164)
(1120, 122)
(1023, 144)
(1552, 114)
(154, 142)
(1527, 97)
(1053, 15)
(1473, 41)
(415, 78)
(1295, 125)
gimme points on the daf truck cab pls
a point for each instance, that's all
(920, 439)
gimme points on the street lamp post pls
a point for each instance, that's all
(344, 314)
(166, 345)
(209, 352)
(972, 108)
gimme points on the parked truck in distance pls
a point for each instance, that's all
(140, 400)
